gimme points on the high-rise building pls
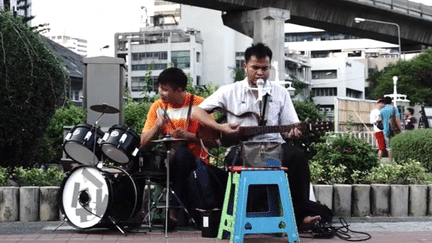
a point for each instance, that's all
(77, 45)
(18, 9)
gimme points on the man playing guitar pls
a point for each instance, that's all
(242, 97)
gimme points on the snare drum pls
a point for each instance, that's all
(81, 146)
(91, 196)
(120, 144)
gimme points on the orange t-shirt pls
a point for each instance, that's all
(178, 116)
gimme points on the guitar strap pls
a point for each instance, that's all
(262, 121)
(189, 112)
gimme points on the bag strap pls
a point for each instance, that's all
(245, 114)
(189, 112)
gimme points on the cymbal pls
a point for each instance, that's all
(104, 108)
(168, 139)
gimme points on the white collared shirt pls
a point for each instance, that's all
(238, 99)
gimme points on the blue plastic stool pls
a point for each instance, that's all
(238, 222)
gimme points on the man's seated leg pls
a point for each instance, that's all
(299, 181)
(182, 163)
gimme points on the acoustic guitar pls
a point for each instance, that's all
(250, 131)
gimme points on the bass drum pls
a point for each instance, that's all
(90, 196)
(81, 146)
(120, 144)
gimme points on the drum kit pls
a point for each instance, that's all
(93, 194)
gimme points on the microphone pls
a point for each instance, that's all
(260, 84)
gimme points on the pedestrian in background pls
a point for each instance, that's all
(410, 121)
(375, 119)
(386, 114)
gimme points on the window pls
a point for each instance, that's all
(324, 74)
(138, 84)
(323, 54)
(198, 80)
(198, 57)
(180, 59)
(162, 55)
(75, 95)
(324, 91)
(145, 67)
(353, 93)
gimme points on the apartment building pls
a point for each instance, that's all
(340, 64)
(154, 49)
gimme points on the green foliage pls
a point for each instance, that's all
(237, 74)
(327, 174)
(53, 137)
(203, 90)
(4, 176)
(33, 83)
(308, 112)
(37, 177)
(414, 78)
(411, 172)
(353, 153)
(414, 144)
(136, 114)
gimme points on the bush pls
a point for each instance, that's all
(136, 114)
(4, 176)
(341, 151)
(308, 112)
(53, 137)
(410, 172)
(32, 82)
(37, 177)
(416, 145)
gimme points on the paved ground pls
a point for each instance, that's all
(382, 230)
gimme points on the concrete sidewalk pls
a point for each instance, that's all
(382, 230)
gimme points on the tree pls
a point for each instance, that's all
(33, 83)
(414, 79)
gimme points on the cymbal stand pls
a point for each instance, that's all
(99, 165)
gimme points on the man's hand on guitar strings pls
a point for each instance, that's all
(230, 129)
(293, 133)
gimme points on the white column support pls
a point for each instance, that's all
(264, 25)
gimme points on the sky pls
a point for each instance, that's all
(97, 20)
(94, 20)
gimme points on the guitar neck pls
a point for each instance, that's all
(304, 127)
(257, 130)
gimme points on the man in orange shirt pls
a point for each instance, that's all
(172, 114)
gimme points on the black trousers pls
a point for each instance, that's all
(298, 176)
(182, 164)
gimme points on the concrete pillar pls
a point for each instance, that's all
(9, 204)
(380, 198)
(360, 200)
(417, 200)
(104, 82)
(29, 203)
(342, 200)
(48, 210)
(399, 200)
(264, 25)
(324, 194)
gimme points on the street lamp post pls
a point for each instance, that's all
(359, 20)
(395, 78)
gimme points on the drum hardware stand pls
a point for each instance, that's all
(167, 142)
(64, 220)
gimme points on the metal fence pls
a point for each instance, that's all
(365, 135)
